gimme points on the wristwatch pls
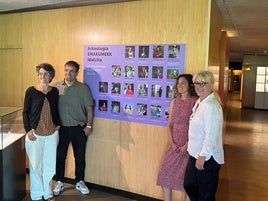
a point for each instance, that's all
(89, 126)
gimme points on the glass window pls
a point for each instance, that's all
(261, 70)
(259, 87)
(260, 78)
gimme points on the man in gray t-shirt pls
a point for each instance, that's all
(76, 109)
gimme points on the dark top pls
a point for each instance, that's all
(33, 103)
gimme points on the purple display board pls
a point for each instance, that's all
(133, 82)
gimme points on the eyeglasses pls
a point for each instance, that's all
(201, 84)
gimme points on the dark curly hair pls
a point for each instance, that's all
(47, 67)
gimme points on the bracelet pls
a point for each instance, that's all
(88, 126)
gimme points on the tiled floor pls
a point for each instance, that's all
(243, 176)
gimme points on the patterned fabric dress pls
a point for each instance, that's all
(171, 173)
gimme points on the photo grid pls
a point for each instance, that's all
(137, 85)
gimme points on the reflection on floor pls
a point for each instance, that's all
(71, 194)
(243, 176)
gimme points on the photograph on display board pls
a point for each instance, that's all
(130, 52)
(103, 105)
(142, 89)
(157, 72)
(158, 51)
(172, 72)
(103, 87)
(141, 109)
(116, 71)
(115, 105)
(173, 51)
(128, 108)
(144, 51)
(129, 89)
(116, 88)
(133, 82)
(156, 111)
(156, 90)
(166, 112)
(143, 71)
(169, 91)
(129, 71)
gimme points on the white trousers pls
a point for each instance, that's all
(42, 161)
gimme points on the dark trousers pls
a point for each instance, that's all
(77, 137)
(201, 185)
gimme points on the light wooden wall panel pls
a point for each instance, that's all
(47, 37)
(215, 35)
(10, 77)
(120, 154)
(218, 60)
(10, 31)
(11, 60)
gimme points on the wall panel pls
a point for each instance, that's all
(10, 31)
(10, 77)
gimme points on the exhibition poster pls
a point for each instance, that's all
(133, 82)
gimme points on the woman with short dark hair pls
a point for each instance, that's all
(41, 123)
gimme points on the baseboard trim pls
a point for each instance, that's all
(121, 193)
(113, 191)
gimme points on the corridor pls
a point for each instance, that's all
(245, 172)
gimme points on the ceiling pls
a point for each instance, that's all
(246, 21)
(11, 6)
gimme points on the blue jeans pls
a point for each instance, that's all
(76, 136)
(201, 185)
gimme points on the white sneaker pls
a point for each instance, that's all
(81, 186)
(58, 188)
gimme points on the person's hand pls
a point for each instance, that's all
(173, 145)
(87, 131)
(183, 148)
(31, 135)
(199, 164)
(57, 128)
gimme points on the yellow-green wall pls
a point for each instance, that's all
(123, 155)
